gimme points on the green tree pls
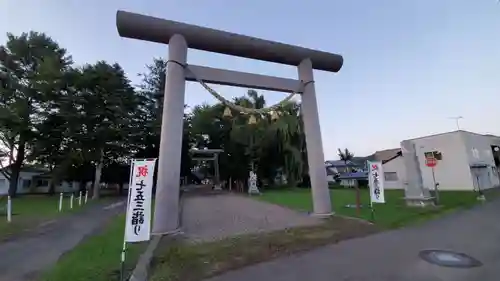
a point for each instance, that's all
(106, 107)
(56, 144)
(290, 141)
(265, 146)
(345, 155)
(32, 65)
(151, 92)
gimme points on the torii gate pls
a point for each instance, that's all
(214, 157)
(180, 36)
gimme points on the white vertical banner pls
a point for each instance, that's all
(376, 182)
(138, 224)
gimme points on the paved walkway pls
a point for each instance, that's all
(22, 259)
(393, 255)
(212, 217)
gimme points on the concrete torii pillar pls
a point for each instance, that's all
(180, 36)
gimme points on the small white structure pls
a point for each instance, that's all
(348, 182)
(469, 161)
(31, 181)
(252, 183)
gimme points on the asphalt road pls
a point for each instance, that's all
(394, 255)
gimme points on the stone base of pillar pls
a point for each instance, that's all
(419, 201)
(321, 216)
(253, 191)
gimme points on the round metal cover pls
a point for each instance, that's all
(449, 258)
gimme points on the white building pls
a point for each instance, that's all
(394, 172)
(468, 160)
(393, 167)
(31, 180)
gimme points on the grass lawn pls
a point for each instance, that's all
(98, 257)
(29, 211)
(392, 214)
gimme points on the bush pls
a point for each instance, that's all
(363, 184)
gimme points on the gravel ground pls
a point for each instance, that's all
(213, 217)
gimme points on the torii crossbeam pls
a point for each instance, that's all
(180, 37)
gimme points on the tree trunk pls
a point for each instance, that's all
(52, 181)
(97, 180)
(52, 187)
(16, 169)
(120, 188)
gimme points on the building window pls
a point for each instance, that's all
(40, 183)
(2, 182)
(26, 183)
(391, 176)
(434, 154)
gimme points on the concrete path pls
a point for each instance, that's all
(212, 217)
(24, 258)
(393, 256)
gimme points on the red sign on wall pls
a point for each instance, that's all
(430, 162)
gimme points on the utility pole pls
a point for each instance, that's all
(457, 118)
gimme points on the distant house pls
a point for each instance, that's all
(33, 179)
(337, 167)
(393, 166)
(352, 179)
(330, 174)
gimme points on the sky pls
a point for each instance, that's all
(409, 65)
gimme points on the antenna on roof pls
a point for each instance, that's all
(457, 118)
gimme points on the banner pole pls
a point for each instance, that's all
(124, 247)
(370, 189)
(376, 185)
(372, 211)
